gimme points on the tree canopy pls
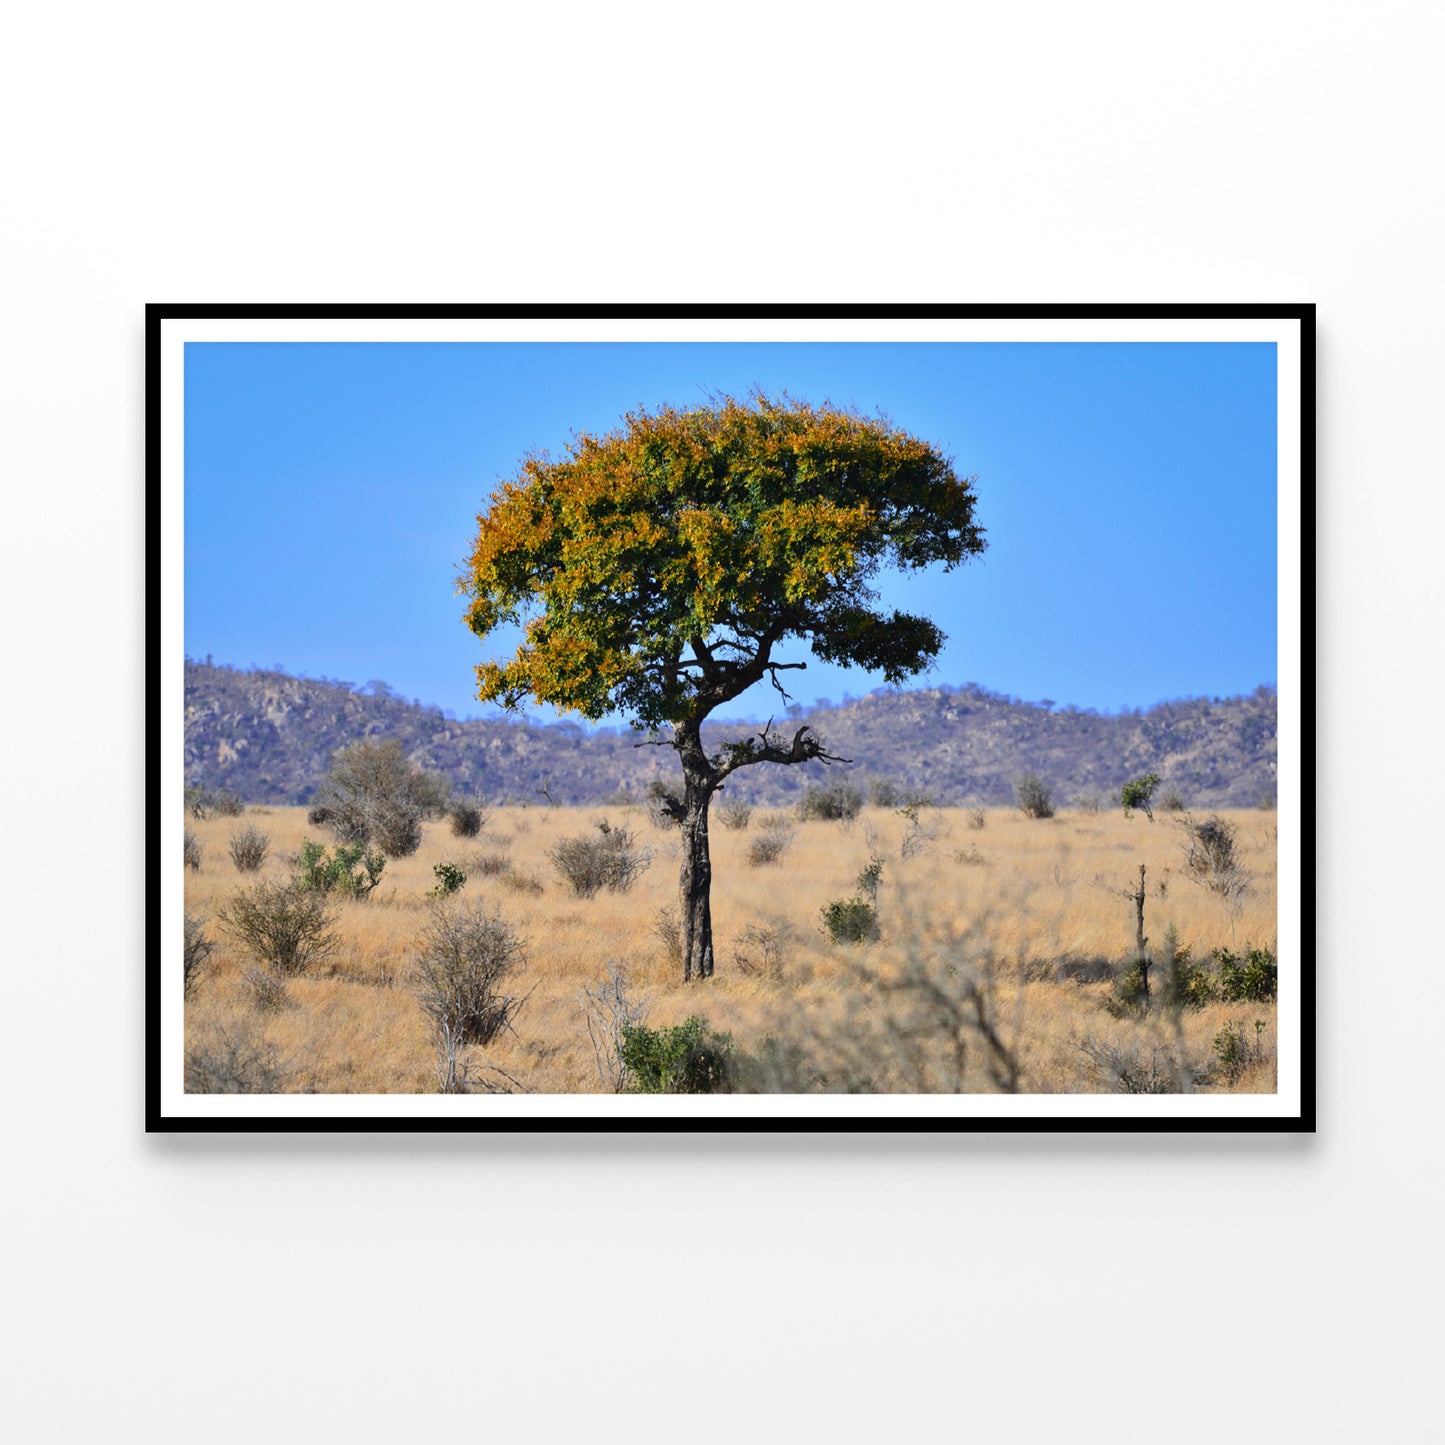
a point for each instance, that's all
(657, 568)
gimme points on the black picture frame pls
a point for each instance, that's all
(167, 1107)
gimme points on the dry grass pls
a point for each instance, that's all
(1037, 908)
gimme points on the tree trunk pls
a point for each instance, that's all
(695, 883)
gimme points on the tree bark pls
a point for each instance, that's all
(695, 880)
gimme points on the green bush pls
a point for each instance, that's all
(1129, 993)
(320, 874)
(850, 920)
(449, 880)
(285, 926)
(685, 1059)
(1137, 792)
(1255, 980)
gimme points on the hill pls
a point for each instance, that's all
(270, 736)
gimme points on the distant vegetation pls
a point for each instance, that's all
(267, 737)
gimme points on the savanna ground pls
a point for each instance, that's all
(1000, 942)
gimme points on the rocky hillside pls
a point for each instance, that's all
(270, 736)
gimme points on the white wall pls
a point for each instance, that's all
(393, 1289)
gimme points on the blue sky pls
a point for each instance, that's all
(1128, 491)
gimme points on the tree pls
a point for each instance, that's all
(1138, 792)
(661, 568)
(373, 794)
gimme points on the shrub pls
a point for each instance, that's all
(198, 803)
(975, 817)
(248, 849)
(685, 1059)
(1034, 797)
(969, 855)
(320, 874)
(850, 920)
(449, 880)
(835, 801)
(468, 816)
(771, 841)
(1171, 801)
(1255, 980)
(1089, 801)
(1129, 993)
(762, 950)
(284, 925)
(197, 949)
(233, 1061)
(1129, 1069)
(869, 877)
(612, 860)
(1185, 983)
(268, 990)
(1210, 846)
(667, 929)
(373, 794)
(193, 852)
(490, 865)
(734, 814)
(462, 967)
(609, 1009)
(228, 804)
(516, 881)
(1137, 792)
(883, 792)
(925, 827)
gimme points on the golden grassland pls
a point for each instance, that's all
(1033, 908)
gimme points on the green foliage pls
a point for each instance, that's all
(1236, 1051)
(1034, 797)
(741, 523)
(1254, 980)
(449, 880)
(197, 949)
(1185, 984)
(1129, 993)
(287, 927)
(850, 920)
(835, 801)
(870, 877)
(320, 874)
(1137, 792)
(685, 1059)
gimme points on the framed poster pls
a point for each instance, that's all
(731, 718)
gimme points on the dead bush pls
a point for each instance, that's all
(610, 860)
(773, 838)
(193, 852)
(248, 848)
(462, 967)
(234, 1060)
(733, 814)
